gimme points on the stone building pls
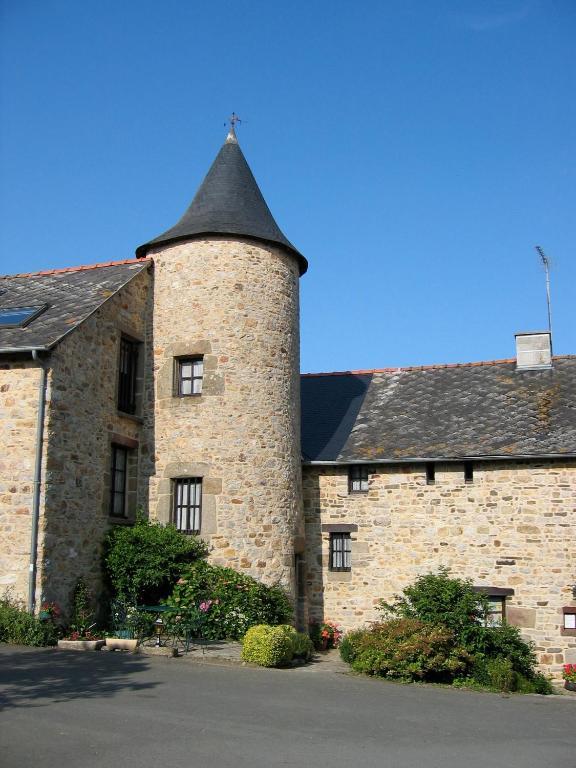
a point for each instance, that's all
(170, 382)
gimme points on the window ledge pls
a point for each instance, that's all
(131, 416)
(120, 520)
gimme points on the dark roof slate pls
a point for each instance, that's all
(71, 294)
(476, 410)
(228, 202)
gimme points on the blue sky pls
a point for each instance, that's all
(414, 150)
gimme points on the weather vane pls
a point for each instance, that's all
(232, 122)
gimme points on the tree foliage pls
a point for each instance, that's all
(143, 562)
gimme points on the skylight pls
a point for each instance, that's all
(18, 317)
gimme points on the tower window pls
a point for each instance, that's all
(468, 472)
(358, 478)
(118, 481)
(187, 504)
(127, 375)
(430, 473)
(340, 552)
(189, 375)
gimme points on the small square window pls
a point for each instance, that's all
(358, 479)
(187, 504)
(570, 621)
(340, 552)
(189, 376)
(118, 481)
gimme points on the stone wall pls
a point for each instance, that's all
(19, 382)
(82, 423)
(233, 302)
(512, 527)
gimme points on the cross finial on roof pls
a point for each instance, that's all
(232, 122)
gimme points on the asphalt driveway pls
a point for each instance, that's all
(95, 710)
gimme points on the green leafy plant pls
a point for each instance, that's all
(499, 658)
(142, 562)
(19, 627)
(569, 673)
(238, 602)
(302, 646)
(438, 598)
(406, 649)
(268, 646)
(82, 616)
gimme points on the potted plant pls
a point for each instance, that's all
(569, 675)
(49, 611)
(326, 635)
(81, 635)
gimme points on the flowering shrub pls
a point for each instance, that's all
(569, 673)
(234, 602)
(86, 635)
(51, 608)
(325, 635)
(406, 649)
(436, 630)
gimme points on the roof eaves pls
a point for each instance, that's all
(443, 459)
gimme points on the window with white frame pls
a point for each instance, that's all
(187, 503)
(189, 376)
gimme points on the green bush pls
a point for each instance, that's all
(349, 644)
(142, 562)
(501, 659)
(268, 646)
(436, 598)
(505, 642)
(19, 627)
(238, 602)
(302, 646)
(406, 649)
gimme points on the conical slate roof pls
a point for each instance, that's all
(229, 202)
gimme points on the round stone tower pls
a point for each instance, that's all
(222, 404)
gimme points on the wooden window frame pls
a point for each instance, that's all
(358, 473)
(128, 374)
(187, 516)
(179, 378)
(340, 548)
(123, 473)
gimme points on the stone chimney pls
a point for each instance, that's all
(533, 351)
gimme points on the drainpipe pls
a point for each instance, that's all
(37, 484)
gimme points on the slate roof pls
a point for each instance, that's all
(476, 410)
(228, 202)
(72, 295)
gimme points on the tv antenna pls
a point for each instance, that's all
(546, 264)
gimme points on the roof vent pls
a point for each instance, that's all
(533, 351)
